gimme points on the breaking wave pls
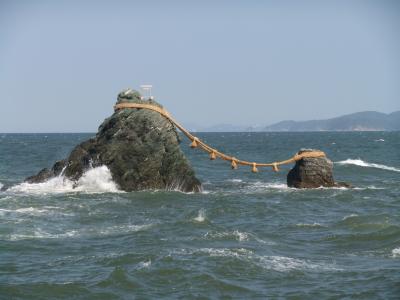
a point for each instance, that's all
(39, 233)
(95, 180)
(396, 252)
(236, 235)
(201, 216)
(272, 262)
(361, 163)
(311, 225)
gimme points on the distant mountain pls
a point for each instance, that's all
(217, 128)
(361, 121)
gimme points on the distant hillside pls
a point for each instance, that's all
(361, 121)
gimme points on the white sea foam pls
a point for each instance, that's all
(272, 185)
(258, 185)
(33, 211)
(225, 252)
(235, 180)
(144, 264)
(315, 224)
(285, 264)
(361, 163)
(370, 187)
(236, 234)
(201, 216)
(95, 180)
(241, 236)
(39, 233)
(276, 263)
(1, 185)
(396, 252)
(27, 210)
(380, 140)
(123, 229)
(349, 216)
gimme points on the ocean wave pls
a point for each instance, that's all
(201, 216)
(235, 180)
(20, 213)
(271, 185)
(312, 225)
(396, 252)
(285, 264)
(269, 262)
(1, 186)
(27, 210)
(361, 163)
(123, 229)
(351, 216)
(370, 187)
(235, 234)
(144, 264)
(215, 252)
(259, 184)
(95, 180)
(343, 188)
(39, 233)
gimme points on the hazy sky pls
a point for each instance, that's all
(62, 63)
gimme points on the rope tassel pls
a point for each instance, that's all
(234, 164)
(213, 155)
(194, 143)
(275, 167)
(254, 168)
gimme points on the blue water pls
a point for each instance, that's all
(246, 236)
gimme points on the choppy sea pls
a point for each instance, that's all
(246, 236)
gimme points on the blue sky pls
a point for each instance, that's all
(62, 63)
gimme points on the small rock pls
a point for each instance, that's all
(313, 172)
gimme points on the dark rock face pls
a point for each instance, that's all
(139, 146)
(313, 173)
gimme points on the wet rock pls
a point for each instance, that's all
(139, 146)
(313, 172)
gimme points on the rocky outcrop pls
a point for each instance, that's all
(312, 172)
(140, 147)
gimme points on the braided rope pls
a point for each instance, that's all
(214, 153)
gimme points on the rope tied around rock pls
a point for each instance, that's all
(214, 153)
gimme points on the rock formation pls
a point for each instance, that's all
(313, 173)
(140, 147)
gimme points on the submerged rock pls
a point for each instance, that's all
(139, 146)
(313, 172)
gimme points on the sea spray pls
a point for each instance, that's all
(361, 163)
(94, 180)
(201, 216)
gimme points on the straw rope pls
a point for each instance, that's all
(214, 153)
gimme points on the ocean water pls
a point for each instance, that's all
(246, 236)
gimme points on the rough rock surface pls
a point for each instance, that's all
(139, 146)
(313, 173)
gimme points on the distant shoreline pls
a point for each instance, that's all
(308, 131)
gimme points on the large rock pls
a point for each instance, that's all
(139, 146)
(312, 172)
